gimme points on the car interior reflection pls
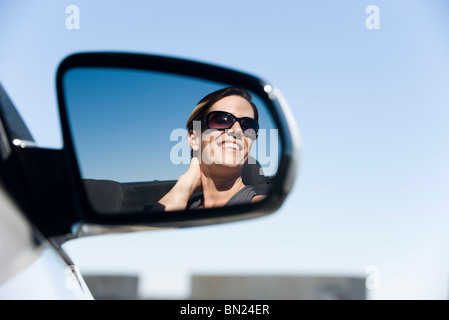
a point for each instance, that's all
(112, 197)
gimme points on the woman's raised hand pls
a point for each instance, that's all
(187, 184)
(193, 174)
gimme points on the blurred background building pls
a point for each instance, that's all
(113, 287)
(239, 287)
(277, 287)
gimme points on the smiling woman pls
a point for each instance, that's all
(218, 153)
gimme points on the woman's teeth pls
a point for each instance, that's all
(230, 145)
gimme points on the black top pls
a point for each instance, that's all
(243, 196)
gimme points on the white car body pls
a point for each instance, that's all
(32, 268)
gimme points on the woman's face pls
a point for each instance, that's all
(230, 147)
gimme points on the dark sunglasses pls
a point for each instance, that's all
(222, 120)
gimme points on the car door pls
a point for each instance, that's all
(31, 267)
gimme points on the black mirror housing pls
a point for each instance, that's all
(83, 186)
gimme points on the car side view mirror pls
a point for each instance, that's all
(164, 142)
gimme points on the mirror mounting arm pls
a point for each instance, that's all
(48, 197)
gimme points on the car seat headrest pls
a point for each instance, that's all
(108, 196)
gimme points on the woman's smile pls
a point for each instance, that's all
(230, 145)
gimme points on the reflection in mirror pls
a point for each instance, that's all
(149, 141)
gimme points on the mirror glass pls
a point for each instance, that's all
(135, 152)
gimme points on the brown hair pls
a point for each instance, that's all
(202, 108)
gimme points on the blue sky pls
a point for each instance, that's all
(371, 106)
